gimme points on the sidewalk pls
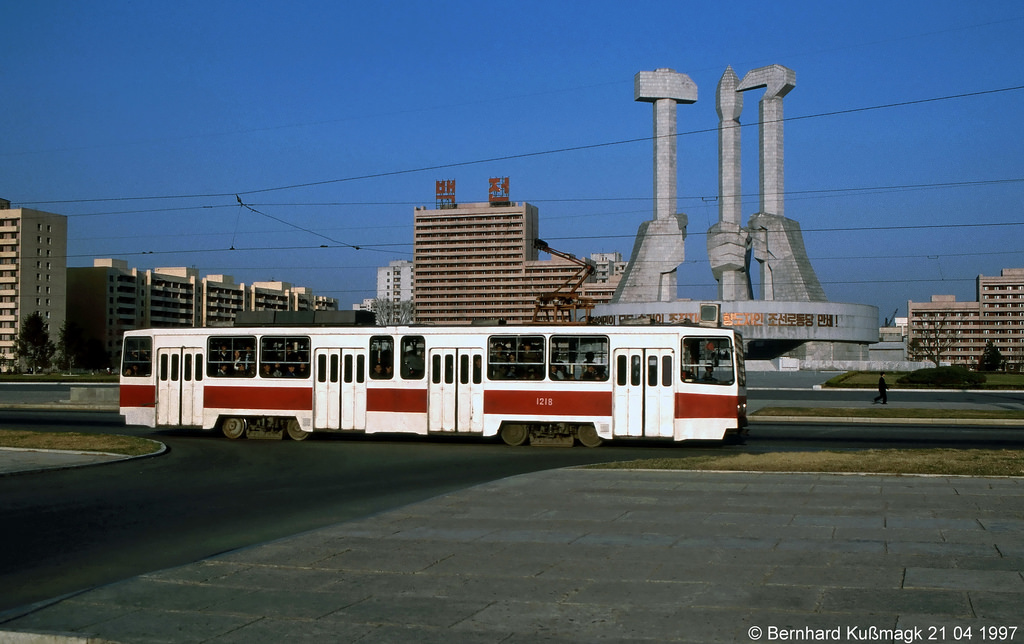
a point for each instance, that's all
(14, 459)
(602, 555)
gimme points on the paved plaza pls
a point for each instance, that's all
(582, 555)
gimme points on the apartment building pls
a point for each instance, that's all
(106, 300)
(33, 251)
(394, 281)
(957, 332)
(478, 261)
(470, 262)
(110, 298)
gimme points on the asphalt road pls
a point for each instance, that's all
(72, 529)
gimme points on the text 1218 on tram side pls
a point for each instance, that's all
(537, 384)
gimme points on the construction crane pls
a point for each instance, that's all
(562, 305)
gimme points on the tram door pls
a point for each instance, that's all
(339, 389)
(455, 400)
(179, 399)
(643, 393)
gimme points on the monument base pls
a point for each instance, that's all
(770, 329)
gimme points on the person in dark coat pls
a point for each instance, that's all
(882, 389)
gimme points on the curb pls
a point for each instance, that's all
(61, 406)
(102, 458)
(901, 420)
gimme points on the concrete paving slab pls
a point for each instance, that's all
(603, 556)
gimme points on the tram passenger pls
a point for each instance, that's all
(413, 367)
(529, 353)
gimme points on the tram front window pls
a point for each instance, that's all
(708, 360)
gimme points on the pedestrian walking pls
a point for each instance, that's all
(882, 389)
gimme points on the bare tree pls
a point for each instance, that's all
(389, 312)
(932, 340)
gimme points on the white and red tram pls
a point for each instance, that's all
(543, 384)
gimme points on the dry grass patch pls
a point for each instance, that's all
(74, 441)
(873, 461)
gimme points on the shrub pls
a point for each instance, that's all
(943, 377)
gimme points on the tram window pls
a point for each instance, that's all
(652, 371)
(477, 370)
(413, 348)
(620, 371)
(515, 357)
(175, 361)
(334, 368)
(231, 356)
(635, 368)
(137, 357)
(360, 368)
(284, 357)
(163, 367)
(449, 369)
(382, 357)
(707, 360)
(464, 369)
(347, 367)
(666, 371)
(187, 369)
(579, 357)
(435, 370)
(199, 366)
(321, 368)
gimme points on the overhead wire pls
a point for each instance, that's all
(518, 156)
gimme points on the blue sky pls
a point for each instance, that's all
(141, 121)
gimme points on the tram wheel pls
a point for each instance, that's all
(514, 434)
(233, 427)
(588, 436)
(295, 431)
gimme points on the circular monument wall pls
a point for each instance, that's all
(773, 327)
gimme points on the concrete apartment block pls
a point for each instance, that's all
(33, 252)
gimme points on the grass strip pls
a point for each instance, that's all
(994, 381)
(78, 442)
(872, 461)
(878, 411)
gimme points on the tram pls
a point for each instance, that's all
(535, 384)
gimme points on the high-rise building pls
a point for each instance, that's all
(394, 281)
(470, 262)
(33, 278)
(957, 332)
(478, 261)
(106, 300)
